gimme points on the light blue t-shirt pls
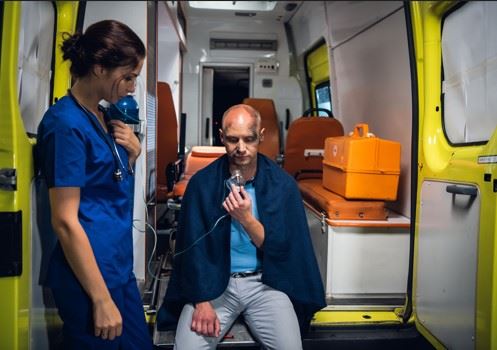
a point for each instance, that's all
(243, 250)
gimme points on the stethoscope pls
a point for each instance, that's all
(118, 163)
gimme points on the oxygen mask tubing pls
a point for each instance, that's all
(237, 180)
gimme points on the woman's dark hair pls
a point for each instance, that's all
(108, 43)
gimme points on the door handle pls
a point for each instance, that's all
(467, 191)
(8, 179)
(207, 129)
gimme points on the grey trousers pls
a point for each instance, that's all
(268, 313)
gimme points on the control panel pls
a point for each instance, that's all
(267, 65)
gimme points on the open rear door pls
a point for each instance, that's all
(15, 177)
(27, 81)
(455, 273)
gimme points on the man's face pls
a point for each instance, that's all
(241, 136)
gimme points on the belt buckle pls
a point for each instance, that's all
(239, 275)
(244, 274)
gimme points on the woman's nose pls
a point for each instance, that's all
(131, 88)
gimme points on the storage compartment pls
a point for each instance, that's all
(361, 261)
(362, 166)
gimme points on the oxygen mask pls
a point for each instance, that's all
(236, 179)
(125, 110)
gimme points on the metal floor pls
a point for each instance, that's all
(237, 337)
(318, 338)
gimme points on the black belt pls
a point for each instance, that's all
(244, 274)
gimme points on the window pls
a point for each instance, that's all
(318, 76)
(36, 45)
(323, 97)
(469, 59)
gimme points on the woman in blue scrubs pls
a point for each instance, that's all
(87, 162)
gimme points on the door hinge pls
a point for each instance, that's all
(8, 179)
(323, 223)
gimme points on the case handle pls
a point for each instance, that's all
(361, 130)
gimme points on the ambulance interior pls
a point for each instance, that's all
(279, 62)
(314, 70)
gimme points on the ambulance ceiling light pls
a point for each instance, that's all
(234, 5)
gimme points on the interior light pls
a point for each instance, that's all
(234, 5)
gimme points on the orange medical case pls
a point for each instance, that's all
(337, 207)
(361, 166)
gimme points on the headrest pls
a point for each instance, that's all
(208, 151)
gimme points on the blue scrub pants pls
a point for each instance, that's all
(75, 310)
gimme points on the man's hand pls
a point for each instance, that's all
(205, 321)
(238, 204)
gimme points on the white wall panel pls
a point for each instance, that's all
(168, 54)
(133, 14)
(309, 25)
(200, 30)
(347, 18)
(373, 85)
(168, 58)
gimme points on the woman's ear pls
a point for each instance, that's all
(98, 70)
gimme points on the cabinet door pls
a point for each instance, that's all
(447, 261)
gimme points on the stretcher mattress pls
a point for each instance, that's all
(337, 207)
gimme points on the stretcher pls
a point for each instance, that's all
(337, 207)
(361, 247)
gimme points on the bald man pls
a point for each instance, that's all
(257, 261)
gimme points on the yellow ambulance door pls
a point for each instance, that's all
(16, 170)
(455, 284)
(26, 88)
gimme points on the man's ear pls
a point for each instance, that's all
(221, 135)
(261, 135)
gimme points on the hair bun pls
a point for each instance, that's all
(71, 46)
(109, 44)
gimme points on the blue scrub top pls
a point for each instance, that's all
(73, 153)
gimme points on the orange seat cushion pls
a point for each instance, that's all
(270, 146)
(167, 137)
(198, 158)
(308, 133)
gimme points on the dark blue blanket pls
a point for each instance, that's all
(288, 261)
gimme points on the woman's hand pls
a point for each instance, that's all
(205, 321)
(107, 319)
(125, 137)
(64, 204)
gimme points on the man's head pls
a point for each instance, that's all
(241, 134)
